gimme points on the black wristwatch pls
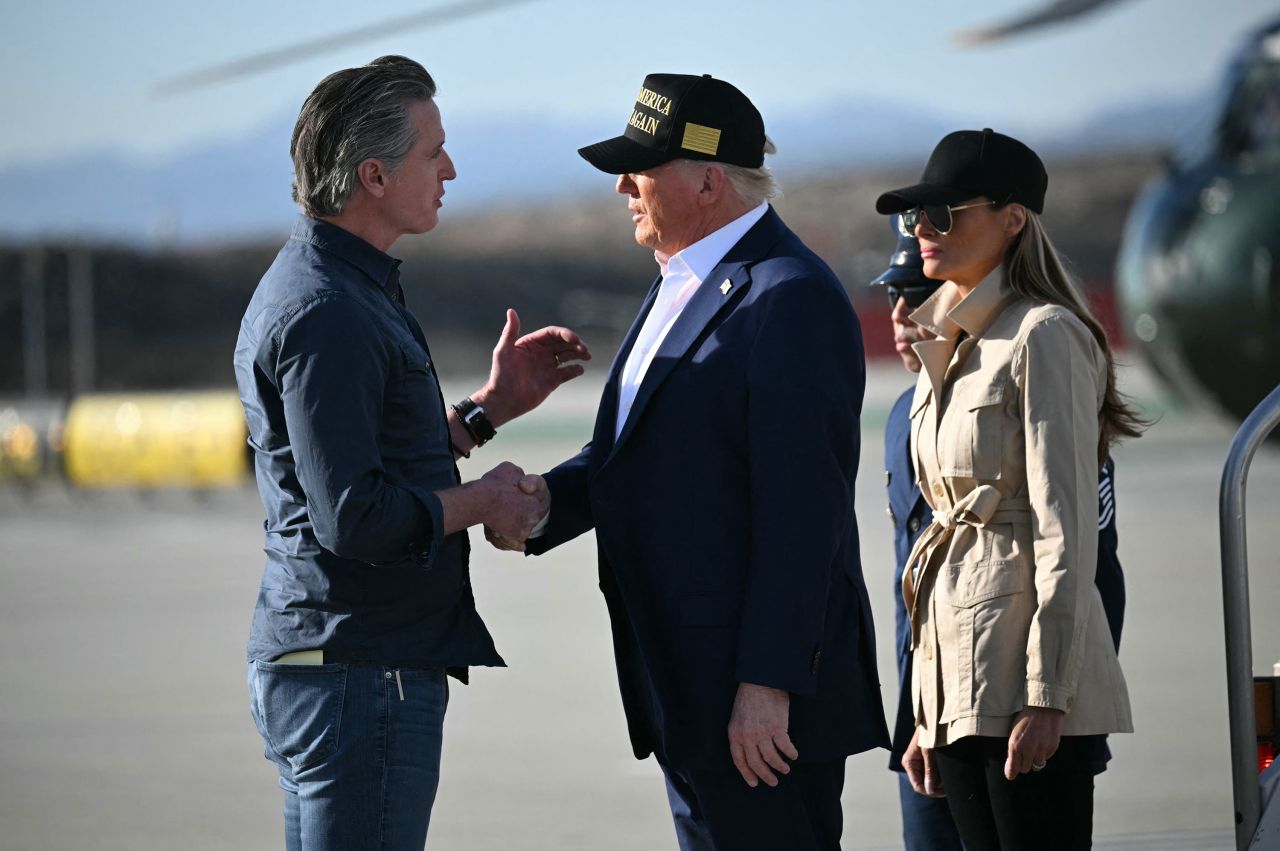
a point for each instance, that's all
(474, 421)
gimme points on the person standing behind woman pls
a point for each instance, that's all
(1015, 676)
(926, 822)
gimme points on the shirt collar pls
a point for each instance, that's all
(946, 313)
(700, 258)
(380, 267)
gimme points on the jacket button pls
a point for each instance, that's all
(928, 652)
(938, 490)
(914, 525)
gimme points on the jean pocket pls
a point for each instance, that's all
(300, 710)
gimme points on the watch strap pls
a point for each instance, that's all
(473, 419)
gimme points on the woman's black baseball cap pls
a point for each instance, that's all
(968, 163)
(683, 116)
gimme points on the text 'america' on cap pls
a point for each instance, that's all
(683, 116)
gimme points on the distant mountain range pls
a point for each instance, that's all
(235, 189)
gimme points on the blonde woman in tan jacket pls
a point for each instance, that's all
(1015, 674)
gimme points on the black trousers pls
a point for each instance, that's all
(1046, 810)
(715, 809)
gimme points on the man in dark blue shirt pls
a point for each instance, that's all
(366, 600)
(926, 821)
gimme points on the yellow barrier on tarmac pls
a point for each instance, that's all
(156, 440)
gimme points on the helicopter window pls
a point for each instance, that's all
(1251, 127)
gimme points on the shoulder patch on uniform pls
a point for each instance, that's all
(1106, 500)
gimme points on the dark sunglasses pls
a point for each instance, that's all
(914, 295)
(939, 215)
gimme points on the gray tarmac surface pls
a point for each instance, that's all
(123, 617)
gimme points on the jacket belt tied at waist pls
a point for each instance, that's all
(980, 507)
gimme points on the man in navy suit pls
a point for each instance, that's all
(720, 481)
(926, 821)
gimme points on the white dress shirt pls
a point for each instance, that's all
(682, 274)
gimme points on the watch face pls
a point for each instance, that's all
(478, 425)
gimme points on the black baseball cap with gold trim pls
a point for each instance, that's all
(683, 116)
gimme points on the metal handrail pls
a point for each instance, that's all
(1235, 606)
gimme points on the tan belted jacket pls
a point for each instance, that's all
(1000, 587)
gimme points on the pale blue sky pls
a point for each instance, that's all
(76, 76)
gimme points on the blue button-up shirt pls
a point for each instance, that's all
(351, 441)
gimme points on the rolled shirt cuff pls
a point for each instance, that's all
(1048, 696)
(426, 542)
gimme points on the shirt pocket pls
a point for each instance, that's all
(985, 671)
(415, 363)
(412, 422)
(975, 432)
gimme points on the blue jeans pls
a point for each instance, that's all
(926, 822)
(358, 750)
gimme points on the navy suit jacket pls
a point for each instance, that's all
(911, 514)
(728, 548)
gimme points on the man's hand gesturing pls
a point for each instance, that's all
(525, 370)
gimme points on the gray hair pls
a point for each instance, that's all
(752, 186)
(354, 115)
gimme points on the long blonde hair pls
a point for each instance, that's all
(1033, 270)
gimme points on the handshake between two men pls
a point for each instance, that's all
(524, 372)
(719, 479)
(521, 503)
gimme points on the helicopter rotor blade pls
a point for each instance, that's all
(1056, 12)
(304, 50)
